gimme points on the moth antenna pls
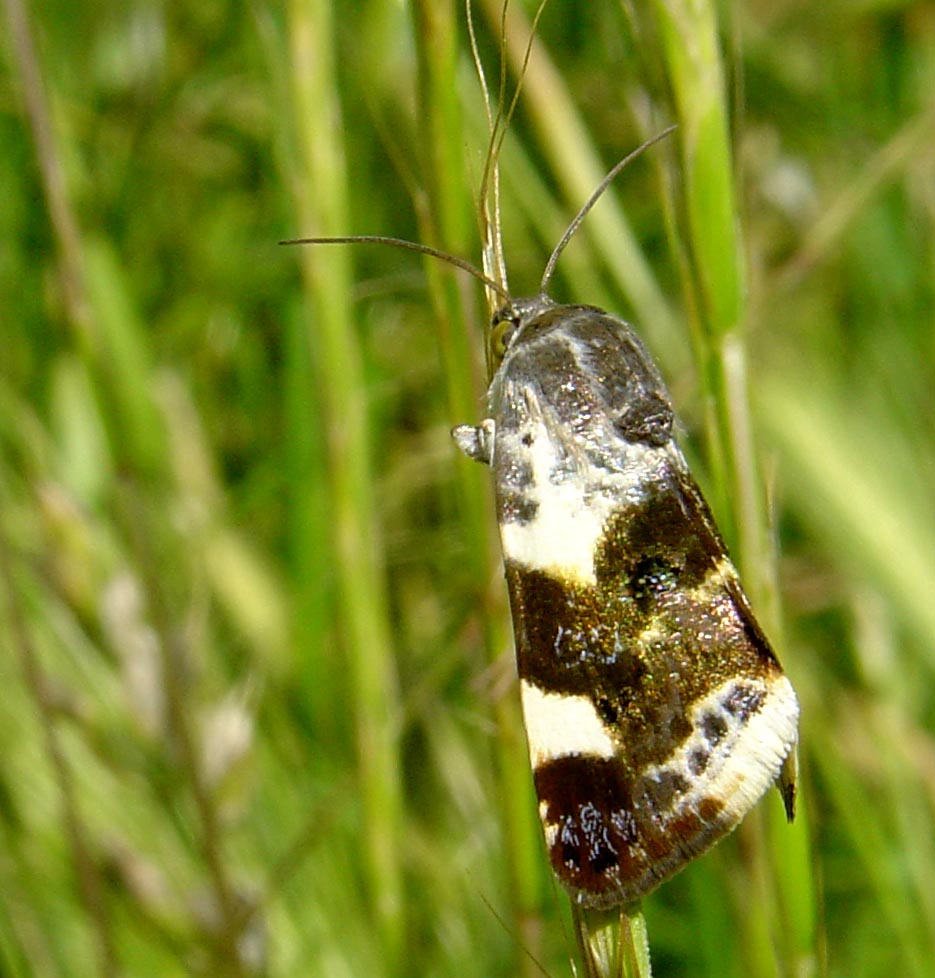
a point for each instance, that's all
(409, 246)
(488, 203)
(507, 117)
(489, 227)
(478, 64)
(499, 124)
(592, 200)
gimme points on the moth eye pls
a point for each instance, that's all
(501, 333)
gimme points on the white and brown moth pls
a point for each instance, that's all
(656, 712)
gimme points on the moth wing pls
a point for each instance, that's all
(656, 711)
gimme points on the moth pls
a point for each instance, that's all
(656, 711)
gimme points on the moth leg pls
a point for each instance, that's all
(476, 441)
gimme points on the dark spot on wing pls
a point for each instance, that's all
(698, 761)
(517, 507)
(651, 578)
(661, 790)
(606, 710)
(647, 419)
(744, 700)
(714, 728)
(659, 544)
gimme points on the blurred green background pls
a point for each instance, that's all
(258, 712)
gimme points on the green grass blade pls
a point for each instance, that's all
(320, 178)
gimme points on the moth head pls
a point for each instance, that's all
(507, 322)
(503, 327)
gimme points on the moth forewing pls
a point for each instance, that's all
(656, 712)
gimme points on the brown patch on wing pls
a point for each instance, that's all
(618, 835)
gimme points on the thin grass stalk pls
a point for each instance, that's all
(322, 191)
(446, 220)
(89, 882)
(49, 158)
(96, 306)
(142, 528)
(445, 224)
(913, 141)
(613, 943)
(688, 31)
(909, 935)
(310, 570)
(836, 490)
